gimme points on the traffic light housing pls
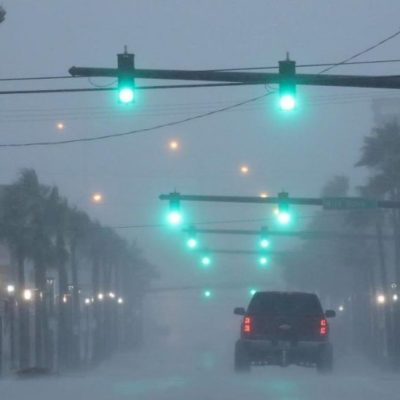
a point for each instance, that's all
(192, 241)
(264, 240)
(175, 215)
(263, 260)
(287, 84)
(126, 80)
(283, 214)
(206, 260)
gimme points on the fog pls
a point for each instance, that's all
(119, 306)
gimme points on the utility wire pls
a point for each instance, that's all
(368, 49)
(136, 131)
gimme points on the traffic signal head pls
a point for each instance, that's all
(207, 293)
(174, 214)
(264, 242)
(287, 84)
(263, 260)
(252, 292)
(283, 212)
(126, 81)
(206, 260)
(192, 242)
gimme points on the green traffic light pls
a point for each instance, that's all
(263, 260)
(206, 261)
(192, 243)
(175, 218)
(284, 217)
(126, 95)
(264, 243)
(253, 292)
(207, 293)
(287, 102)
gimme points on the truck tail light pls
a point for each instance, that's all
(323, 327)
(247, 326)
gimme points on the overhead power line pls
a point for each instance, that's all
(368, 49)
(136, 131)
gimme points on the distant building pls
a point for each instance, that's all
(386, 110)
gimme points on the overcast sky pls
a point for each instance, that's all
(297, 153)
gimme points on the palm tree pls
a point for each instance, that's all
(381, 155)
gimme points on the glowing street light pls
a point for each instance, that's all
(27, 294)
(10, 289)
(111, 295)
(120, 300)
(244, 169)
(60, 126)
(395, 297)
(263, 195)
(100, 296)
(97, 198)
(381, 299)
(87, 301)
(341, 308)
(174, 145)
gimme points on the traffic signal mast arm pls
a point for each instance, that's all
(297, 234)
(250, 78)
(328, 203)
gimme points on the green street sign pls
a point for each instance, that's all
(348, 203)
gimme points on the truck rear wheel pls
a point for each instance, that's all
(241, 359)
(325, 360)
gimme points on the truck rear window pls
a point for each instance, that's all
(285, 304)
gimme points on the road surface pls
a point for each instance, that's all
(171, 372)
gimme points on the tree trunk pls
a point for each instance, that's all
(41, 323)
(63, 343)
(76, 317)
(23, 316)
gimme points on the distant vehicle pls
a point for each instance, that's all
(283, 328)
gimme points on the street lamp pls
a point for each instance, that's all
(60, 126)
(381, 299)
(27, 294)
(100, 296)
(10, 289)
(174, 145)
(244, 169)
(111, 295)
(120, 300)
(97, 198)
(87, 301)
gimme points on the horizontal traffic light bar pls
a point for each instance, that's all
(298, 234)
(214, 286)
(248, 252)
(329, 203)
(251, 78)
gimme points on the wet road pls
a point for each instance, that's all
(166, 373)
